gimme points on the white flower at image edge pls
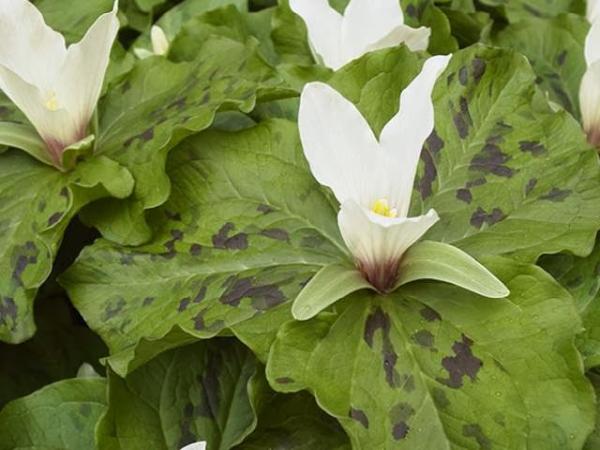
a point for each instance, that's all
(372, 179)
(589, 90)
(195, 446)
(56, 87)
(593, 10)
(365, 26)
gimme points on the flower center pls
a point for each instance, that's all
(52, 102)
(382, 207)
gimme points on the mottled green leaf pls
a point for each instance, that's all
(593, 441)
(154, 107)
(36, 204)
(433, 366)
(61, 416)
(246, 224)
(203, 392)
(555, 49)
(230, 245)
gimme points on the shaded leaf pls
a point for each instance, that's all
(206, 391)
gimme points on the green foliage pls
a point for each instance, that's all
(214, 289)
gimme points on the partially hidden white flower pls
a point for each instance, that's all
(195, 446)
(56, 87)
(365, 26)
(160, 44)
(372, 179)
(589, 90)
(593, 10)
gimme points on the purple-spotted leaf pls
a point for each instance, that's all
(247, 225)
(244, 230)
(208, 391)
(36, 204)
(156, 105)
(433, 366)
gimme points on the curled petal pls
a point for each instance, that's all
(338, 143)
(378, 243)
(416, 39)
(403, 136)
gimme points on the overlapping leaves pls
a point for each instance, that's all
(246, 226)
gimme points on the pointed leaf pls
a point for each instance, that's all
(330, 284)
(428, 260)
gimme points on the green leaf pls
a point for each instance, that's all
(593, 441)
(62, 416)
(580, 277)
(329, 285)
(555, 49)
(516, 10)
(231, 244)
(432, 366)
(72, 19)
(247, 225)
(207, 391)
(428, 260)
(295, 422)
(24, 137)
(156, 105)
(36, 204)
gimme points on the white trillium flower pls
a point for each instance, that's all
(160, 44)
(365, 26)
(589, 90)
(372, 179)
(195, 446)
(56, 87)
(593, 10)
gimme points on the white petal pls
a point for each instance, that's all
(592, 44)
(338, 143)
(403, 136)
(593, 10)
(377, 242)
(28, 47)
(324, 29)
(80, 83)
(416, 39)
(589, 99)
(367, 22)
(57, 128)
(195, 446)
(160, 43)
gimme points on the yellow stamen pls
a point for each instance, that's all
(52, 102)
(382, 207)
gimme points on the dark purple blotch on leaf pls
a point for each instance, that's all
(360, 416)
(429, 314)
(474, 430)
(223, 241)
(25, 255)
(492, 160)
(113, 310)
(263, 296)
(533, 147)
(380, 320)
(556, 195)
(464, 363)
(278, 234)
(480, 216)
